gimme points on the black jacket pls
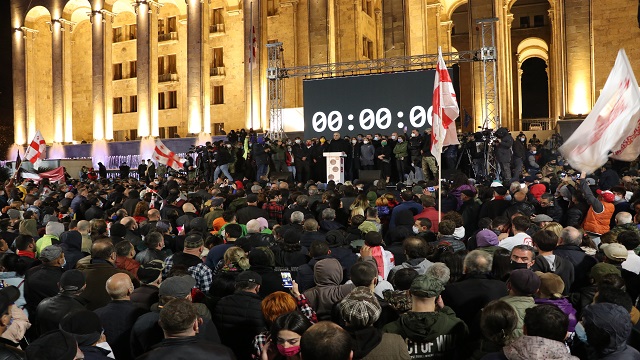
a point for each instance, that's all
(51, 310)
(563, 268)
(582, 264)
(254, 240)
(307, 237)
(117, 319)
(249, 213)
(271, 280)
(305, 274)
(146, 333)
(8, 352)
(72, 248)
(145, 296)
(40, 283)
(469, 295)
(191, 348)
(239, 319)
(95, 353)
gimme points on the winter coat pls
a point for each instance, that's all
(188, 348)
(71, 246)
(520, 304)
(582, 264)
(533, 348)
(304, 278)
(563, 268)
(239, 319)
(371, 344)
(401, 150)
(566, 307)
(328, 275)
(117, 319)
(430, 334)
(503, 150)
(420, 265)
(367, 154)
(471, 293)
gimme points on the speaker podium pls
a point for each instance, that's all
(335, 166)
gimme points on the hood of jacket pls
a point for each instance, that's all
(327, 272)
(427, 326)
(71, 240)
(614, 320)
(535, 347)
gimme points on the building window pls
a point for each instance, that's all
(217, 95)
(168, 29)
(218, 57)
(161, 101)
(133, 103)
(133, 69)
(132, 32)
(217, 21)
(117, 105)
(272, 7)
(538, 20)
(117, 34)
(524, 22)
(172, 24)
(173, 131)
(171, 62)
(117, 71)
(218, 129)
(172, 100)
(161, 65)
(367, 48)
(367, 7)
(133, 133)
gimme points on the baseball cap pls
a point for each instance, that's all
(177, 286)
(496, 184)
(615, 251)
(193, 241)
(50, 253)
(249, 276)
(607, 195)
(251, 198)
(217, 201)
(599, 270)
(426, 286)
(524, 281)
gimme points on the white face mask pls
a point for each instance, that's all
(393, 137)
(534, 152)
(376, 138)
(617, 198)
(354, 141)
(297, 141)
(413, 135)
(416, 230)
(366, 141)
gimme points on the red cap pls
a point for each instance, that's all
(606, 195)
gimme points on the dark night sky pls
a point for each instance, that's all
(6, 93)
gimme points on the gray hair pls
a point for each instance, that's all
(328, 214)
(478, 262)
(297, 217)
(253, 226)
(571, 236)
(439, 271)
(624, 217)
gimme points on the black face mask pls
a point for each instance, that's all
(518, 266)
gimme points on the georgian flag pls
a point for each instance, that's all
(612, 129)
(163, 155)
(36, 150)
(445, 109)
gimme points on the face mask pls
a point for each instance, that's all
(297, 141)
(157, 182)
(322, 141)
(376, 138)
(228, 146)
(360, 138)
(393, 137)
(413, 135)
(289, 149)
(523, 140)
(366, 141)
(534, 152)
(290, 351)
(384, 143)
(581, 333)
(64, 263)
(617, 198)
(416, 230)
(518, 266)
(508, 197)
(399, 141)
(354, 141)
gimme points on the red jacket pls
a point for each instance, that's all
(432, 214)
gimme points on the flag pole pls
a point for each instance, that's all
(440, 146)
(253, 59)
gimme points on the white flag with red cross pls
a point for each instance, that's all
(36, 150)
(163, 155)
(445, 109)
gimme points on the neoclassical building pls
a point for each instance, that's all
(122, 69)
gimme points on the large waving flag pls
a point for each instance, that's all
(612, 128)
(163, 155)
(445, 109)
(36, 150)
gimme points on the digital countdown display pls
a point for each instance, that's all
(369, 104)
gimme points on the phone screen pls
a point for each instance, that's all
(287, 281)
(432, 189)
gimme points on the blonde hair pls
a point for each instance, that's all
(236, 255)
(554, 227)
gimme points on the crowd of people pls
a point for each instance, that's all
(539, 264)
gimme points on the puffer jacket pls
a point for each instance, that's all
(327, 274)
(615, 321)
(239, 319)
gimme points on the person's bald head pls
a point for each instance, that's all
(119, 286)
(84, 227)
(103, 249)
(153, 215)
(623, 218)
(520, 197)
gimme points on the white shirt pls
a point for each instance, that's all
(632, 263)
(517, 239)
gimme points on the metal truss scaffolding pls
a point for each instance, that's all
(276, 73)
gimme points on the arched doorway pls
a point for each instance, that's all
(534, 83)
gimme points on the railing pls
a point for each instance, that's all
(216, 28)
(168, 36)
(167, 77)
(217, 71)
(539, 124)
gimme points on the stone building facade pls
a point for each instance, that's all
(122, 69)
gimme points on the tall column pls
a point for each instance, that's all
(19, 40)
(31, 83)
(56, 74)
(194, 66)
(142, 50)
(154, 11)
(505, 67)
(97, 71)
(107, 66)
(445, 35)
(556, 56)
(204, 68)
(379, 35)
(67, 81)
